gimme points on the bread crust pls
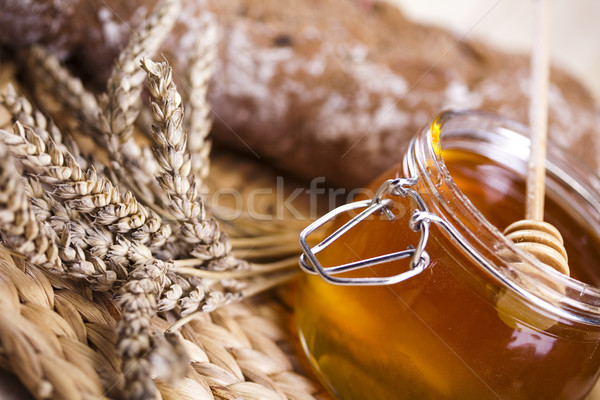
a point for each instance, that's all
(331, 88)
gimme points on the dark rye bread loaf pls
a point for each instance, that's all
(330, 88)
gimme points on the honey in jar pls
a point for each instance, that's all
(435, 329)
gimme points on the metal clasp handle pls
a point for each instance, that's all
(419, 221)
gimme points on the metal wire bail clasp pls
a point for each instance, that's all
(419, 259)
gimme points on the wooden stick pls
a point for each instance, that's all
(538, 111)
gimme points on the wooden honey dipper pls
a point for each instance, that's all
(539, 238)
(532, 234)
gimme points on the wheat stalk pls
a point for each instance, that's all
(201, 232)
(89, 194)
(138, 306)
(85, 191)
(18, 221)
(210, 246)
(83, 248)
(102, 234)
(67, 88)
(198, 121)
(125, 83)
(35, 239)
(111, 122)
(97, 251)
(122, 99)
(83, 240)
(176, 179)
(115, 118)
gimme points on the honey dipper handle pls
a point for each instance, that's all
(538, 111)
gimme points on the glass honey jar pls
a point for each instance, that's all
(417, 294)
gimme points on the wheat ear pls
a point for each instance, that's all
(85, 191)
(74, 99)
(198, 121)
(24, 232)
(121, 105)
(91, 195)
(68, 89)
(35, 239)
(122, 99)
(138, 303)
(88, 194)
(199, 231)
(139, 294)
(175, 178)
(112, 121)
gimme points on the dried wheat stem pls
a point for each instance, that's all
(269, 283)
(144, 286)
(260, 268)
(140, 292)
(95, 196)
(78, 101)
(261, 286)
(84, 242)
(250, 225)
(257, 270)
(231, 284)
(112, 123)
(201, 233)
(86, 192)
(263, 240)
(198, 121)
(281, 250)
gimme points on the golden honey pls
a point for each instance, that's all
(440, 334)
